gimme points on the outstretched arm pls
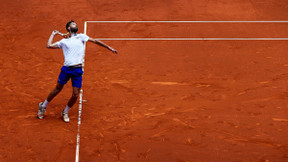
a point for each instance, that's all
(50, 40)
(102, 44)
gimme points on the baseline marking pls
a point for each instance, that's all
(78, 127)
(186, 21)
(195, 39)
(80, 106)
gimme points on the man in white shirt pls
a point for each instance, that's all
(73, 47)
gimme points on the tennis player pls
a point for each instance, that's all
(73, 49)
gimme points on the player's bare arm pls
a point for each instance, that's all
(50, 40)
(102, 44)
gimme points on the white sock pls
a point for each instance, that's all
(67, 108)
(45, 104)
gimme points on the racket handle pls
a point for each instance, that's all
(64, 35)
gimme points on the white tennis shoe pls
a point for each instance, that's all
(65, 117)
(41, 111)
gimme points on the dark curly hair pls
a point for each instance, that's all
(68, 25)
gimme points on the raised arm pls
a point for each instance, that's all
(50, 40)
(102, 44)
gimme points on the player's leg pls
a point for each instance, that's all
(74, 97)
(54, 92)
(71, 102)
(62, 80)
(76, 80)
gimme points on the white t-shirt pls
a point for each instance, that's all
(73, 49)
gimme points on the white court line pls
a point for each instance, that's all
(85, 27)
(187, 21)
(187, 39)
(80, 107)
(194, 39)
(78, 127)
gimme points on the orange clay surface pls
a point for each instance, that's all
(156, 100)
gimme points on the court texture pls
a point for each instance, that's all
(194, 80)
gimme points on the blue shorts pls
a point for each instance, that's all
(75, 73)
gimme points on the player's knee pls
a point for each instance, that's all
(75, 94)
(59, 87)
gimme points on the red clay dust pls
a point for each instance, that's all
(157, 101)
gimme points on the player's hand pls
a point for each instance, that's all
(55, 32)
(113, 50)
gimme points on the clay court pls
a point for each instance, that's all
(157, 100)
